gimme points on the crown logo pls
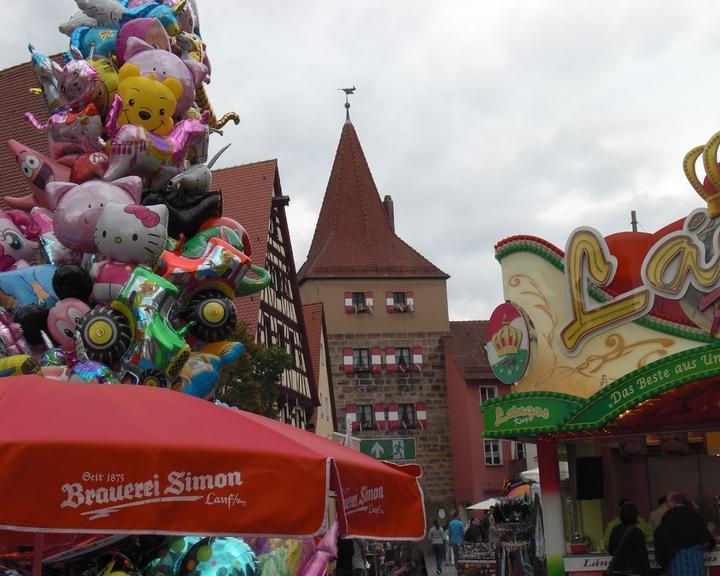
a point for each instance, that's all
(709, 189)
(507, 340)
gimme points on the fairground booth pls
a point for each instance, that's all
(613, 346)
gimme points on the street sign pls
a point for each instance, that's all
(389, 448)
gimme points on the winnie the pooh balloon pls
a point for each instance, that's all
(147, 102)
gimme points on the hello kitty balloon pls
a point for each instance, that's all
(127, 236)
(78, 207)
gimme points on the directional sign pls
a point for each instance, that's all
(389, 448)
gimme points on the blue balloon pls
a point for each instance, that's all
(219, 557)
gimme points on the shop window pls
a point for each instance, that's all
(366, 416)
(487, 392)
(403, 359)
(361, 359)
(493, 453)
(407, 415)
(519, 451)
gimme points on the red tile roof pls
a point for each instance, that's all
(467, 345)
(16, 99)
(353, 236)
(247, 193)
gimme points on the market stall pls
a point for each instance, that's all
(613, 346)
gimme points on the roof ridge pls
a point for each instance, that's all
(256, 163)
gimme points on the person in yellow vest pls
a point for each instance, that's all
(641, 523)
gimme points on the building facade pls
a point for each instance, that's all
(324, 417)
(480, 465)
(386, 313)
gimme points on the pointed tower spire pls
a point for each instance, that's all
(347, 91)
(353, 235)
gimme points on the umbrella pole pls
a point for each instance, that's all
(38, 546)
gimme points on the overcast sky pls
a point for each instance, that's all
(481, 119)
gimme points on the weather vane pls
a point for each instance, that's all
(347, 91)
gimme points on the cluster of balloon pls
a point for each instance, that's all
(117, 265)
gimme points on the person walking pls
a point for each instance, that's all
(456, 529)
(359, 558)
(682, 538)
(437, 538)
(627, 545)
(474, 532)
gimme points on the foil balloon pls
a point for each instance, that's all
(44, 71)
(199, 376)
(62, 320)
(78, 83)
(88, 166)
(114, 14)
(53, 357)
(149, 30)
(51, 250)
(20, 288)
(39, 171)
(12, 341)
(75, 21)
(107, 13)
(126, 236)
(71, 133)
(78, 207)
(196, 246)
(219, 557)
(18, 365)
(168, 561)
(147, 102)
(19, 239)
(196, 180)
(187, 212)
(98, 41)
(137, 151)
(324, 553)
(163, 64)
(107, 83)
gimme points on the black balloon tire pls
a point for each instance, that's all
(200, 327)
(148, 376)
(117, 344)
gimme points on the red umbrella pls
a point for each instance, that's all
(85, 458)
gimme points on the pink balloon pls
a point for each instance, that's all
(136, 151)
(18, 239)
(326, 550)
(71, 133)
(150, 30)
(164, 64)
(78, 207)
(61, 322)
(40, 171)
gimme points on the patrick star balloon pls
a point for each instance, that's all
(40, 171)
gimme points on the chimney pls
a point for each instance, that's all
(389, 211)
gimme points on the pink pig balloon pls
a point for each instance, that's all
(78, 207)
